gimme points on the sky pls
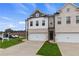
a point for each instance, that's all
(13, 15)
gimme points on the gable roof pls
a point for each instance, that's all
(66, 5)
(43, 14)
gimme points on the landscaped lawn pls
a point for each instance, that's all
(9, 43)
(49, 49)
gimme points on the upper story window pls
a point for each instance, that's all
(43, 22)
(68, 20)
(51, 23)
(31, 23)
(37, 23)
(59, 20)
(77, 19)
(68, 9)
(37, 14)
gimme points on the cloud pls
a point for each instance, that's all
(5, 18)
(22, 22)
(22, 12)
(4, 26)
(9, 26)
(21, 8)
(8, 23)
(50, 8)
(33, 5)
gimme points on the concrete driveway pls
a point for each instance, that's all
(27, 48)
(69, 49)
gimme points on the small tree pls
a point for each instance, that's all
(9, 30)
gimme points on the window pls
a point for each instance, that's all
(43, 23)
(68, 9)
(37, 23)
(68, 20)
(51, 23)
(37, 14)
(77, 19)
(59, 22)
(31, 23)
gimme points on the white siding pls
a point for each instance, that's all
(63, 27)
(67, 28)
(51, 20)
(38, 33)
(40, 23)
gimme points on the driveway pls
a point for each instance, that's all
(27, 48)
(69, 49)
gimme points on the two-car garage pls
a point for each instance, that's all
(60, 37)
(37, 37)
(67, 37)
(63, 37)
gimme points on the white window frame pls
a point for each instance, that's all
(59, 20)
(77, 19)
(43, 22)
(68, 20)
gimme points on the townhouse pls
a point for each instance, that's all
(62, 26)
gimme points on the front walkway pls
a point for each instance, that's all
(69, 49)
(28, 48)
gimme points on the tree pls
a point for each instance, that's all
(9, 30)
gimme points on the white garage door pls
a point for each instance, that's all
(67, 38)
(38, 37)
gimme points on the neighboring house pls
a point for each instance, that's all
(19, 33)
(63, 26)
(67, 24)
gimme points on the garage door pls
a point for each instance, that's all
(67, 37)
(38, 37)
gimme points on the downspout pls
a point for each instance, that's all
(48, 28)
(54, 27)
(26, 29)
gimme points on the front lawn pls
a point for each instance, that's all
(49, 49)
(9, 43)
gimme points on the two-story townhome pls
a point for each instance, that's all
(38, 27)
(67, 24)
(62, 26)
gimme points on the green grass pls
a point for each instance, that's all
(9, 43)
(49, 49)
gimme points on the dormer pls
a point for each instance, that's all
(37, 13)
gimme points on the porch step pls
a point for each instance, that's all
(51, 41)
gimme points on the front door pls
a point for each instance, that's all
(50, 35)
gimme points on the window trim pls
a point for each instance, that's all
(31, 23)
(68, 9)
(68, 20)
(37, 23)
(77, 20)
(43, 22)
(59, 22)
